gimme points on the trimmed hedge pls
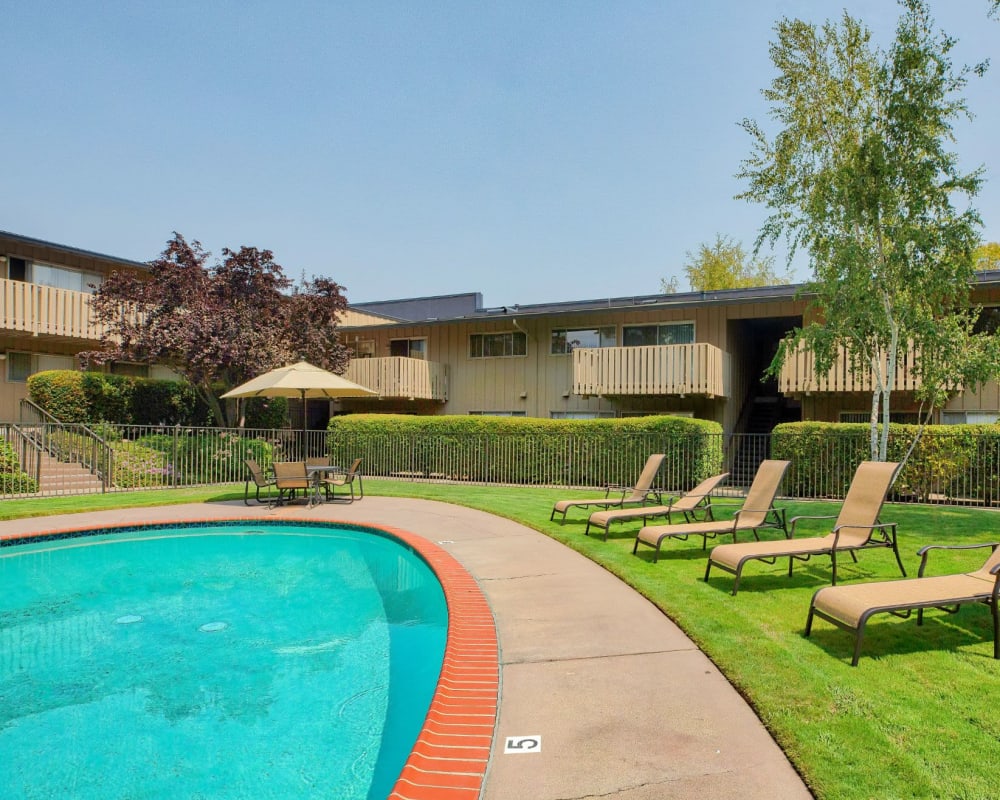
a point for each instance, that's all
(91, 397)
(956, 462)
(528, 450)
(13, 480)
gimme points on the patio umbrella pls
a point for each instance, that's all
(302, 380)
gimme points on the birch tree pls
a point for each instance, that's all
(860, 177)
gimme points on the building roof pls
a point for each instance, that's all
(756, 294)
(77, 251)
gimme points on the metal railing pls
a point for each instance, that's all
(67, 442)
(960, 469)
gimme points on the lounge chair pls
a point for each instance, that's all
(289, 477)
(850, 607)
(640, 493)
(259, 479)
(757, 512)
(689, 504)
(857, 527)
(345, 478)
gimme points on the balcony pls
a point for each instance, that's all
(798, 376)
(46, 311)
(401, 377)
(670, 369)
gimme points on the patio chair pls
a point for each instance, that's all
(346, 479)
(857, 527)
(757, 512)
(259, 479)
(689, 504)
(850, 607)
(289, 477)
(640, 493)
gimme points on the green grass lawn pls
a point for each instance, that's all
(918, 716)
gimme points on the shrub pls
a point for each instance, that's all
(61, 393)
(13, 480)
(952, 461)
(200, 457)
(91, 397)
(528, 450)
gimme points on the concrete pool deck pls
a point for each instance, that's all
(624, 704)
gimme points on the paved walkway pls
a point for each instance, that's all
(624, 704)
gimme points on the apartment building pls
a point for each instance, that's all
(701, 354)
(45, 317)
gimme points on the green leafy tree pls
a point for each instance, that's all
(218, 325)
(987, 256)
(726, 265)
(860, 176)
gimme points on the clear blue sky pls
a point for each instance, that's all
(534, 151)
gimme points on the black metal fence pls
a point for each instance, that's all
(45, 459)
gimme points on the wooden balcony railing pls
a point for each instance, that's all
(46, 311)
(798, 375)
(401, 377)
(670, 369)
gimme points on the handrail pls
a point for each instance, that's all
(26, 442)
(62, 447)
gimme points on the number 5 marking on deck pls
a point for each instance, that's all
(523, 744)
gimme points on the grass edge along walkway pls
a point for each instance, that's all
(916, 718)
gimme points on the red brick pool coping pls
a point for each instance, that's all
(451, 754)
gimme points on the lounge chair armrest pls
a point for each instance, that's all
(794, 521)
(925, 552)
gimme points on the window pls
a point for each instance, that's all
(62, 278)
(566, 340)
(497, 345)
(582, 414)
(669, 333)
(988, 321)
(902, 417)
(19, 367)
(409, 348)
(497, 414)
(364, 349)
(969, 417)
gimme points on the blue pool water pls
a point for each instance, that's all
(214, 662)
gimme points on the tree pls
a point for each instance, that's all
(860, 177)
(987, 255)
(219, 325)
(726, 265)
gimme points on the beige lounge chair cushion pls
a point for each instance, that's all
(601, 519)
(849, 603)
(730, 555)
(562, 506)
(652, 534)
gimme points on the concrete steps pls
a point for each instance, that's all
(59, 476)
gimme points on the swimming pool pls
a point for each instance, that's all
(226, 660)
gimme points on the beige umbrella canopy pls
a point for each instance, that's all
(302, 380)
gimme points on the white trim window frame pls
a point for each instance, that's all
(411, 347)
(17, 363)
(658, 333)
(505, 344)
(563, 341)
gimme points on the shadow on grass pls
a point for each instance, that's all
(885, 635)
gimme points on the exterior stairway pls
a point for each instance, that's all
(59, 477)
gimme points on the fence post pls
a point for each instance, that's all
(173, 458)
